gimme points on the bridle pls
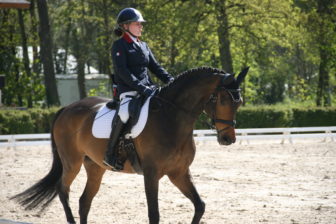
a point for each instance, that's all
(213, 100)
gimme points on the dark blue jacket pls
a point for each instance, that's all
(131, 64)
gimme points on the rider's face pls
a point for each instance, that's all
(135, 28)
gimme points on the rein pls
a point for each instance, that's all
(172, 104)
(213, 99)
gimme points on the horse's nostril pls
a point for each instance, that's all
(224, 140)
(227, 139)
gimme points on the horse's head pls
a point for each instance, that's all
(223, 104)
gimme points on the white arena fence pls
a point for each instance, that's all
(243, 135)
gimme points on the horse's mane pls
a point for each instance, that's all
(188, 77)
(195, 72)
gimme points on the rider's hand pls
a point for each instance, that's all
(153, 87)
(170, 80)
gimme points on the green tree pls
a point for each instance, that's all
(46, 54)
(320, 21)
(23, 85)
(289, 44)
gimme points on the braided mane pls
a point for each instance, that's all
(194, 73)
(188, 77)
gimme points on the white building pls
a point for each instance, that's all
(96, 84)
(67, 86)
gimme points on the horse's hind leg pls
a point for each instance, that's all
(70, 170)
(94, 178)
(183, 181)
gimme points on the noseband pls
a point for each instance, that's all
(213, 99)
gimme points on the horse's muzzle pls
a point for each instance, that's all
(225, 140)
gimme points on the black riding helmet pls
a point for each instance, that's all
(128, 15)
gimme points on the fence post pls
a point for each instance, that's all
(286, 135)
(244, 134)
(329, 134)
(11, 142)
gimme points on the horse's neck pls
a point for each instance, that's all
(184, 102)
(195, 96)
(192, 96)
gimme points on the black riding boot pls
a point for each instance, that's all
(111, 159)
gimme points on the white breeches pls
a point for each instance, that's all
(124, 102)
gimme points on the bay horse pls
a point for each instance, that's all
(165, 146)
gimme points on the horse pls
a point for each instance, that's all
(165, 146)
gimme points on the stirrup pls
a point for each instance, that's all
(117, 166)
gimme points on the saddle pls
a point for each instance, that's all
(101, 127)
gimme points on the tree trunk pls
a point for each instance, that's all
(323, 93)
(81, 77)
(66, 47)
(57, 65)
(106, 62)
(223, 37)
(34, 33)
(46, 54)
(25, 57)
(323, 97)
(107, 59)
(8, 96)
(17, 79)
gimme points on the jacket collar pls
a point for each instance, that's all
(128, 38)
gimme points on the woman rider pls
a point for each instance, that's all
(132, 59)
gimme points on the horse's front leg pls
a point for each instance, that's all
(151, 187)
(183, 181)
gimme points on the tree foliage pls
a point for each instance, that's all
(290, 45)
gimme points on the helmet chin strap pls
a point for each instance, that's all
(131, 34)
(128, 31)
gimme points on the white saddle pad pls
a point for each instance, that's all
(102, 123)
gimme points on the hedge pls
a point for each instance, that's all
(268, 117)
(263, 117)
(39, 120)
(314, 117)
(279, 116)
(18, 121)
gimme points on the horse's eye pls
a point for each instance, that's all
(213, 99)
(225, 98)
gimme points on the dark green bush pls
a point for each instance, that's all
(43, 119)
(317, 116)
(263, 117)
(281, 116)
(26, 121)
(16, 122)
(40, 120)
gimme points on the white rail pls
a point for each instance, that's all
(273, 133)
(284, 134)
(24, 140)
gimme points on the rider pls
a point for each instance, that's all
(132, 59)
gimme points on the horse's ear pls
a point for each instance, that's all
(242, 75)
(227, 79)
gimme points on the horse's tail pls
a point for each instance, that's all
(43, 192)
